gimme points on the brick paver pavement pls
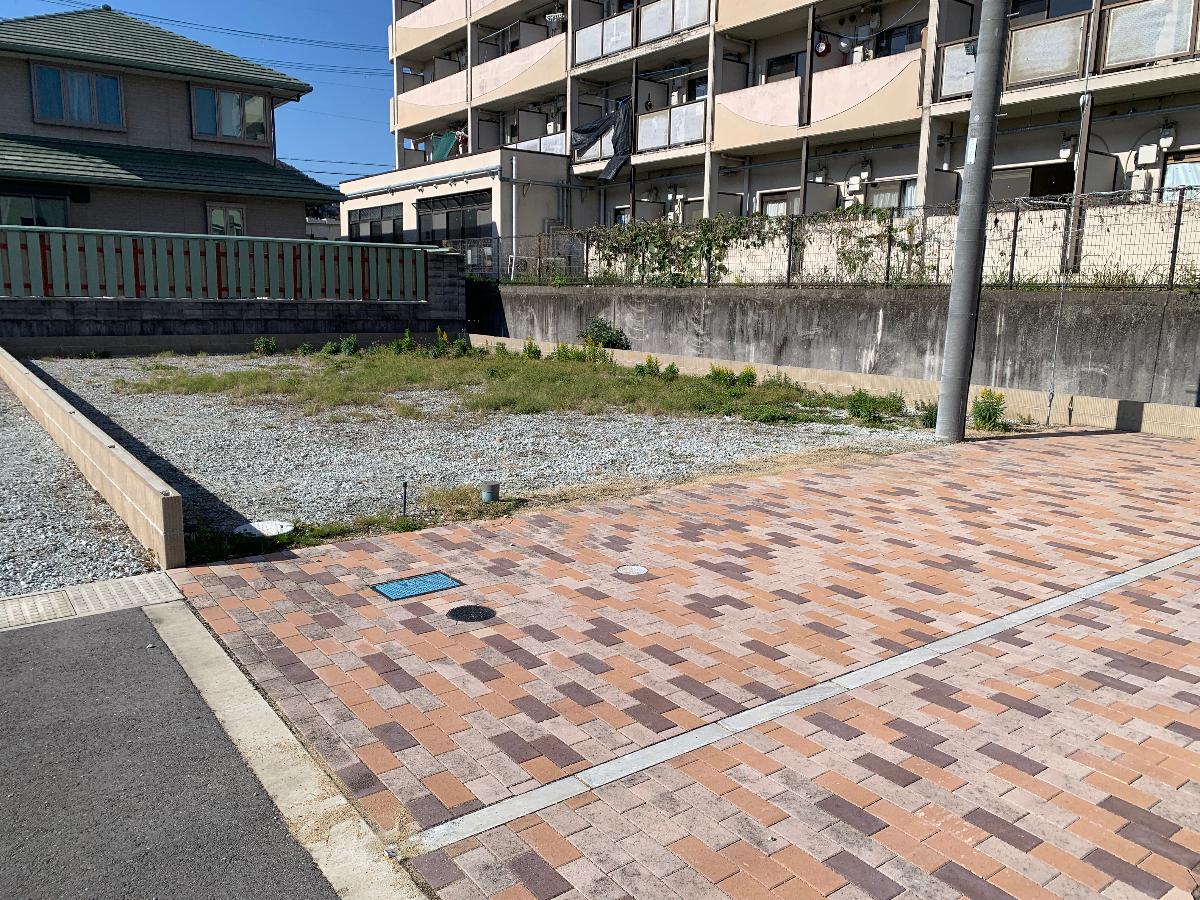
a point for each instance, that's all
(755, 588)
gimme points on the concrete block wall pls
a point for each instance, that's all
(151, 508)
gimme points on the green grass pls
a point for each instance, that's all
(506, 382)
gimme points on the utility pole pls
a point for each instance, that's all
(971, 236)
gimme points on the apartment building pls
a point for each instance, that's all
(770, 106)
(110, 122)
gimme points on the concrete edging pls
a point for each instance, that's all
(1068, 409)
(349, 854)
(151, 508)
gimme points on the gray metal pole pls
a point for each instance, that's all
(971, 236)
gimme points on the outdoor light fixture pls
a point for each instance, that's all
(819, 176)
(865, 170)
(1067, 148)
(1166, 137)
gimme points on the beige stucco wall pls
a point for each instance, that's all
(431, 102)
(431, 23)
(178, 211)
(157, 114)
(528, 69)
(741, 12)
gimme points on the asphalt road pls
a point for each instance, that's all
(116, 781)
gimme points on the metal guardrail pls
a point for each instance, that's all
(79, 263)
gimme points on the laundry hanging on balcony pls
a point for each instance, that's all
(620, 122)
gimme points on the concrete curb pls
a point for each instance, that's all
(349, 854)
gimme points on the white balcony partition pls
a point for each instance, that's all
(1048, 51)
(589, 43)
(618, 33)
(1141, 32)
(656, 21)
(958, 71)
(687, 123)
(690, 13)
(675, 126)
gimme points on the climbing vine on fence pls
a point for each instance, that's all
(664, 252)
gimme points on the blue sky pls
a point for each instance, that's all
(345, 119)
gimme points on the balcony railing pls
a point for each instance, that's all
(1133, 33)
(675, 126)
(654, 22)
(602, 149)
(550, 143)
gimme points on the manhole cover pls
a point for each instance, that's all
(265, 529)
(632, 570)
(471, 614)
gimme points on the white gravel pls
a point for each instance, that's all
(54, 529)
(235, 461)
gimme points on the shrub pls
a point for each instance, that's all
(987, 411)
(503, 352)
(461, 347)
(722, 376)
(531, 350)
(406, 344)
(603, 334)
(348, 346)
(650, 368)
(330, 349)
(670, 373)
(566, 353)
(747, 377)
(928, 413)
(265, 346)
(306, 349)
(441, 345)
(872, 409)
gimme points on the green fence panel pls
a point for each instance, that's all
(58, 266)
(74, 271)
(16, 266)
(37, 282)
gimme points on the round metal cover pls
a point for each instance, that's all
(632, 570)
(471, 614)
(265, 529)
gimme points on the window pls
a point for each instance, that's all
(1027, 11)
(43, 212)
(229, 221)
(1048, 180)
(1183, 170)
(74, 97)
(898, 39)
(697, 88)
(781, 68)
(229, 115)
(381, 224)
(781, 203)
(898, 195)
(455, 218)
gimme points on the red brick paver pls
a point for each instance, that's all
(755, 588)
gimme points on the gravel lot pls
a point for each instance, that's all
(54, 529)
(235, 461)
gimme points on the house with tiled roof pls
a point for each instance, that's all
(109, 122)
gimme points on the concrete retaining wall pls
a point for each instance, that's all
(1068, 409)
(1140, 346)
(147, 504)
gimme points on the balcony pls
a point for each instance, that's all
(421, 26)
(528, 70)
(744, 12)
(864, 95)
(602, 149)
(1132, 34)
(550, 143)
(429, 103)
(655, 21)
(675, 126)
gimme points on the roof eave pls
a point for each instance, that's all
(315, 196)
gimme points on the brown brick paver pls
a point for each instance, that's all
(997, 771)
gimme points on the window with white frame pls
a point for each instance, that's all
(229, 221)
(220, 114)
(781, 203)
(65, 96)
(900, 195)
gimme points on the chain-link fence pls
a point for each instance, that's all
(1123, 240)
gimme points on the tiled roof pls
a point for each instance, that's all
(103, 35)
(82, 162)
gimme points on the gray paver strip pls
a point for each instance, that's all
(87, 600)
(538, 799)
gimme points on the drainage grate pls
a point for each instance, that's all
(417, 585)
(471, 614)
